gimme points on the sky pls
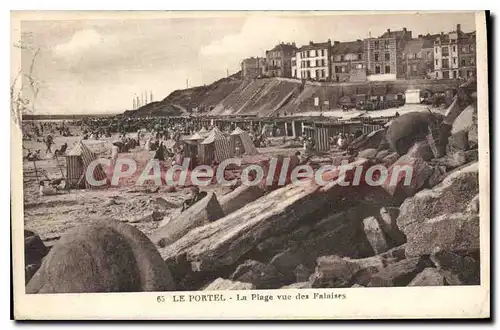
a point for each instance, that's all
(90, 66)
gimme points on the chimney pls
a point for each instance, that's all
(388, 30)
(310, 43)
(404, 30)
(336, 42)
(420, 36)
(358, 40)
(458, 27)
(442, 34)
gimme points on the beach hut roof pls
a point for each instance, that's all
(78, 149)
(238, 131)
(214, 135)
(195, 137)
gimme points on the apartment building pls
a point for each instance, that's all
(278, 60)
(418, 57)
(348, 64)
(455, 54)
(312, 62)
(383, 55)
(253, 67)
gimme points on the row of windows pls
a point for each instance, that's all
(445, 50)
(312, 53)
(411, 56)
(445, 63)
(309, 63)
(455, 74)
(378, 70)
(307, 74)
(383, 45)
(340, 58)
(387, 56)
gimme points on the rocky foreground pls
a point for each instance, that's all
(308, 236)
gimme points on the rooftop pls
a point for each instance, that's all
(350, 47)
(316, 45)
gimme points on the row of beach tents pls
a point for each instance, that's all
(210, 146)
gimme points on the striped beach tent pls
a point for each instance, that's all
(246, 141)
(322, 139)
(215, 147)
(77, 161)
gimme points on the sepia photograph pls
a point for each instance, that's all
(206, 161)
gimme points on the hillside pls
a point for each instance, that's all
(273, 96)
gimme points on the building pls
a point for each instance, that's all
(312, 62)
(455, 54)
(383, 55)
(253, 67)
(278, 60)
(347, 60)
(418, 57)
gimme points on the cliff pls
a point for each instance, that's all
(272, 96)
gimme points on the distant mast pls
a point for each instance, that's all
(150, 96)
(134, 106)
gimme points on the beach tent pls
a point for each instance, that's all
(191, 148)
(77, 161)
(215, 147)
(203, 132)
(244, 139)
(412, 96)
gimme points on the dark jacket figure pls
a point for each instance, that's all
(160, 152)
(196, 194)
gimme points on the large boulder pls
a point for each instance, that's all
(442, 216)
(334, 271)
(406, 176)
(428, 277)
(409, 128)
(34, 252)
(102, 256)
(204, 211)
(262, 276)
(398, 274)
(240, 197)
(456, 269)
(223, 284)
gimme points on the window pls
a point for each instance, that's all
(460, 74)
(387, 69)
(308, 74)
(323, 62)
(446, 74)
(376, 56)
(445, 51)
(437, 74)
(472, 61)
(387, 56)
(311, 53)
(414, 67)
(454, 48)
(437, 62)
(336, 69)
(360, 57)
(317, 73)
(454, 74)
(462, 62)
(386, 44)
(323, 73)
(445, 64)
(436, 50)
(317, 63)
(376, 44)
(322, 52)
(309, 63)
(454, 60)
(377, 69)
(359, 66)
(342, 69)
(471, 48)
(470, 73)
(342, 58)
(429, 56)
(316, 53)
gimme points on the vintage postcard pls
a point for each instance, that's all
(200, 165)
